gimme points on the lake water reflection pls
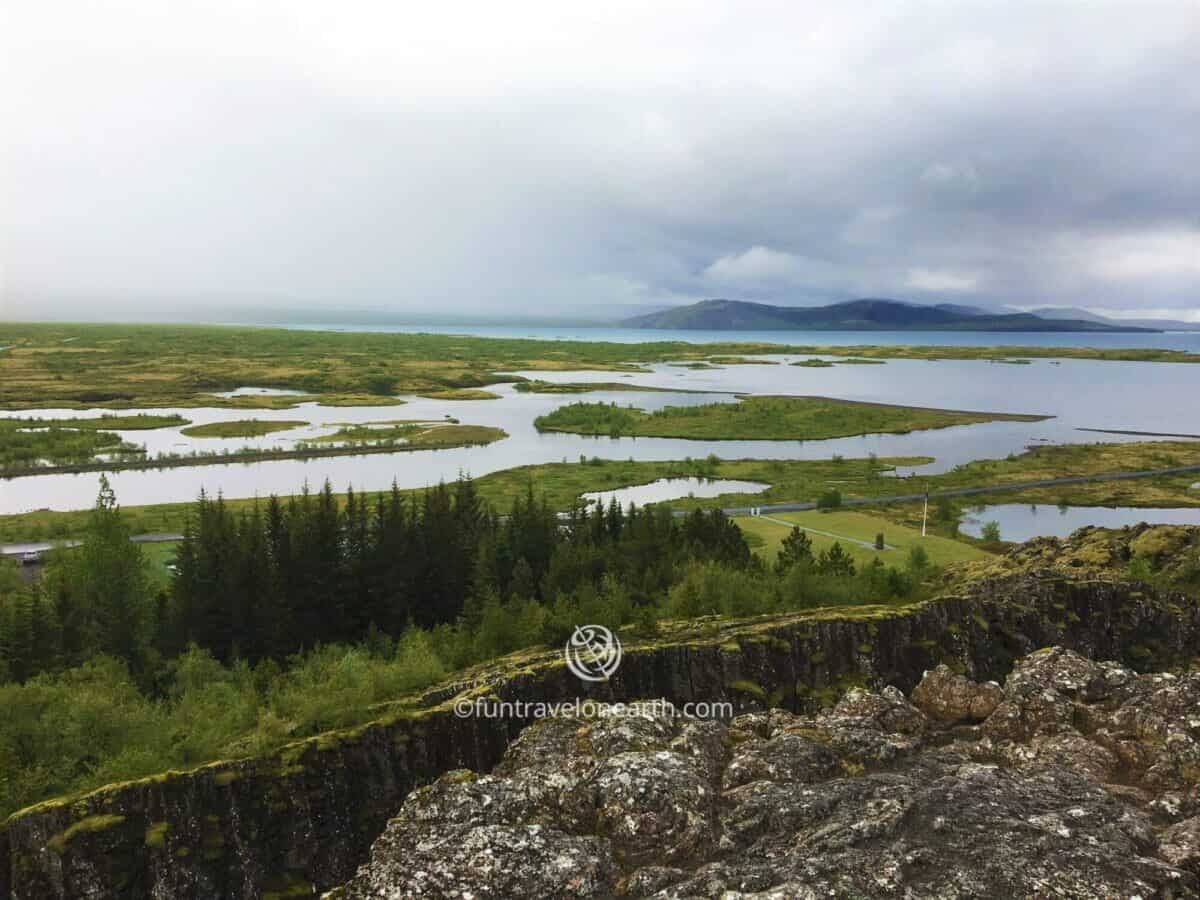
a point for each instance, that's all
(1021, 521)
(1078, 393)
(673, 489)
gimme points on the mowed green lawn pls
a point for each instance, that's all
(159, 555)
(854, 526)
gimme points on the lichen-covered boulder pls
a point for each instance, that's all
(1067, 673)
(1180, 845)
(486, 861)
(876, 797)
(783, 758)
(654, 807)
(949, 697)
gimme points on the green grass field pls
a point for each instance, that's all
(159, 555)
(856, 526)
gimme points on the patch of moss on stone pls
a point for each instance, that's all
(748, 687)
(90, 825)
(212, 838)
(156, 834)
(1160, 541)
(282, 887)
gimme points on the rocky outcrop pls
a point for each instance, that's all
(1079, 782)
(305, 818)
(946, 696)
(1172, 551)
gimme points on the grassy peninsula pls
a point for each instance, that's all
(761, 418)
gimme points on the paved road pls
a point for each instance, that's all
(40, 547)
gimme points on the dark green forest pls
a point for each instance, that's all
(289, 617)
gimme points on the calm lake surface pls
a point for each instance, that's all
(1170, 340)
(673, 489)
(1020, 522)
(1079, 394)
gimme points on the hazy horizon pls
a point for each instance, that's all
(214, 161)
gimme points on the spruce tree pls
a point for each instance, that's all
(110, 572)
(796, 549)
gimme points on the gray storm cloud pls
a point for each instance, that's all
(551, 157)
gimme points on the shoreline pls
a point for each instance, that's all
(255, 456)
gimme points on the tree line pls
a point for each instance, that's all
(283, 576)
(293, 616)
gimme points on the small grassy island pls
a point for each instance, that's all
(109, 422)
(32, 443)
(241, 428)
(413, 435)
(761, 418)
(584, 387)
(460, 394)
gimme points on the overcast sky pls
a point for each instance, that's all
(545, 158)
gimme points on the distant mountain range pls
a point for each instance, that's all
(864, 315)
(1070, 312)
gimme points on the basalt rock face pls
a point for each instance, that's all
(305, 818)
(1079, 782)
